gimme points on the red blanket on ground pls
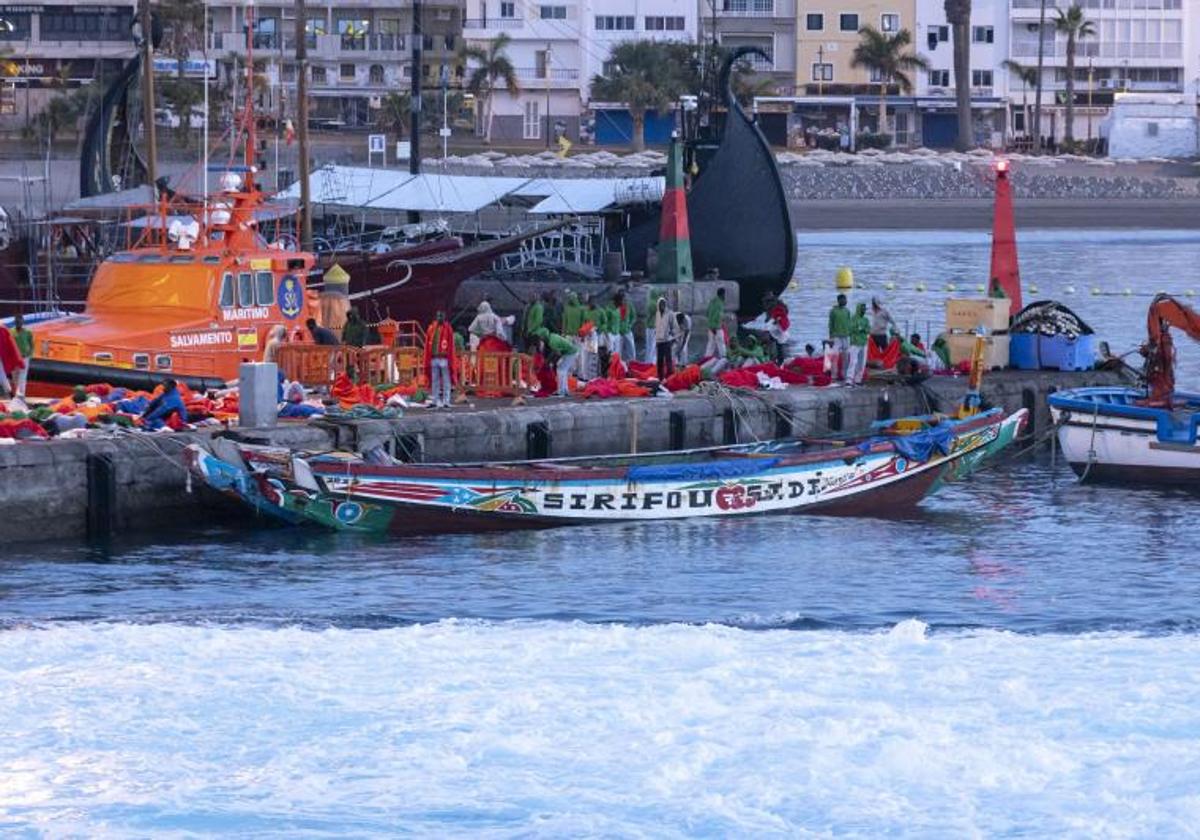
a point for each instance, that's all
(641, 370)
(790, 374)
(684, 380)
(886, 358)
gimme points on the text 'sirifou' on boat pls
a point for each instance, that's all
(878, 475)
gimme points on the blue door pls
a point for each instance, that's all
(939, 130)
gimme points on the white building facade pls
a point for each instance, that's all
(557, 47)
(1141, 46)
(935, 106)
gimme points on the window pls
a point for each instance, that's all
(66, 24)
(658, 23)
(245, 289)
(541, 62)
(889, 23)
(531, 125)
(508, 9)
(14, 26)
(981, 78)
(289, 72)
(939, 78)
(941, 33)
(849, 23)
(983, 34)
(449, 41)
(1151, 129)
(226, 299)
(376, 74)
(318, 75)
(264, 288)
(822, 72)
(553, 12)
(877, 76)
(814, 21)
(264, 33)
(611, 23)
(346, 72)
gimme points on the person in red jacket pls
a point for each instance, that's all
(439, 360)
(11, 363)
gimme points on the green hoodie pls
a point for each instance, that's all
(716, 313)
(533, 317)
(556, 343)
(839, 322)
(572, 315)
(612, 319)
(860, 326)
(628, 322)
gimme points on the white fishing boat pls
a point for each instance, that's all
(1140, 435)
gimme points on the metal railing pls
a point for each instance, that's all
(493, 23)
(553, 74)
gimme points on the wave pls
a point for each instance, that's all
(553, 728)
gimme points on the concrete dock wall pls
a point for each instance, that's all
(51, 489)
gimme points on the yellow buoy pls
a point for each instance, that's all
(845, 278)
(920, 287)
(1095, 290)
(793, 285)
(1034, 289)
(889, 285)
(950, 287)
(980, 288)
(1127, 291)
(1190, 292)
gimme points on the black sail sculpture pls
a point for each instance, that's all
(738, 214)
(109, 159)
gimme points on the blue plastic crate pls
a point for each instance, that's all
(1023, 351)
(1061, 353)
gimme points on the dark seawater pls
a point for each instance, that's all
(1017, 658)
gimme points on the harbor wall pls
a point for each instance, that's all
(132, 483)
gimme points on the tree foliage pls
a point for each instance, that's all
(889, 57)
(1074, 24)
(488, 70)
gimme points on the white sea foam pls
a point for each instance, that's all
(570, 729)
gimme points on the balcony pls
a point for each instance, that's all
(493, 23)
(528, 75)
(748, 8)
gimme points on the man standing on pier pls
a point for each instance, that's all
(439, 359)
(716, 330)
(23, 338)
(860, 331)
(839, 337)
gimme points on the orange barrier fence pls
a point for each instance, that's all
(483, 374)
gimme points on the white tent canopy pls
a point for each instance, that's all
(386, 189)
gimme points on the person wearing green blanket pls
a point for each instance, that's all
(566, 351)
(839, 337)
(534, 317)
(612, 331)
(860, 332)
(572, 317)
(626, 320)
(716, 319)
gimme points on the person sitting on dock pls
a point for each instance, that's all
(439, 359)
(840, 321)
(322, 336)
(716, 330)
(161, 408)
(354, 334)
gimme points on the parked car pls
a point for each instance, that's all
(168, 118)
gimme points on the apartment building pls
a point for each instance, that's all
(558, 46)
(769, 25)
(1142, 46)
(357, 52)
(936, 104)
(52, 46)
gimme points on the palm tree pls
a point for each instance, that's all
(1075, 26)
(885, 55)
(492, 68)
(1028, 76)
(958, 15)
(643, 76)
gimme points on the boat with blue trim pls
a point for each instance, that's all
(1143, 435)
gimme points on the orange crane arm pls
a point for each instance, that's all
(1165, 312)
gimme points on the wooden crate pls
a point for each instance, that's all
(995, 354)
(971, 313)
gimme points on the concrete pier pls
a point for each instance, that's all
(73, 488)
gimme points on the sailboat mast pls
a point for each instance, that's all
(248, 119)
(148, 93)
(418, 38)
(306, 231)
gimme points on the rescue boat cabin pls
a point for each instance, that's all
(192, 299)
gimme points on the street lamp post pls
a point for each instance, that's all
(1091, 85)
(821, 70)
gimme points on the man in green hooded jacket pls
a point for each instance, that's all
(566, 352)
(860, 331)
